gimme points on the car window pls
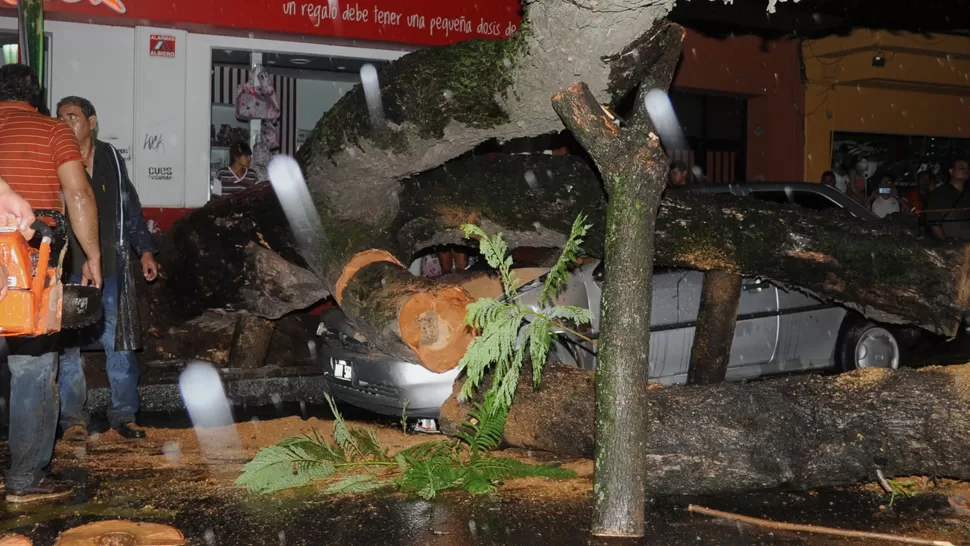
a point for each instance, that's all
(814, 201)
(809, 200)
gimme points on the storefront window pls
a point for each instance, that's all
(303, 88)
(900, 156)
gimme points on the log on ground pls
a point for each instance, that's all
(790, 433)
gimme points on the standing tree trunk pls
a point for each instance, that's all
(716, 319)
(634, 169)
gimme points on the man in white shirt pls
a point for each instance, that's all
(885, 201)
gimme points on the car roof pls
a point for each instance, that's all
(747, 188)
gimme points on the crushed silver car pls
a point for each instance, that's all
(778, 331)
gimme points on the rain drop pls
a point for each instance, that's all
(530, 179)
(210, 537)
(372, 92)
(172, 451)
(661, 113)
(449, 96)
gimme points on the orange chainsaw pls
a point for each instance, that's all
(37, 302)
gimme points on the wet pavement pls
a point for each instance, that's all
(200, 500)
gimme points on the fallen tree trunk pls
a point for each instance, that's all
(238, 253)
(876, 268)
(439, 104)
(792, 433)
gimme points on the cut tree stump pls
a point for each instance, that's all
(789, 433)
(121, 533)
(716, 322)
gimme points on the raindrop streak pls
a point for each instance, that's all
(297, 203)
(372, 91)
(661, 113)
(205, 400)
(531, 180)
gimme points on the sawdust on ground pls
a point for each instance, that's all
(218, 460)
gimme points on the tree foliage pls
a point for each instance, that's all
(509, 329)
(355, 462)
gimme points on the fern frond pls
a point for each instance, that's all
(576, 315)
(489, 423)
(559, 273)
(500, 468)
(370, 446)
(279, 467)
(426, 477)
(360, 483)
(540, 338)
(476, 482)
(341, 435)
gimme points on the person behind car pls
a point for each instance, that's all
(678, 174)
(885, 201)
(828, 179)
(948, 208)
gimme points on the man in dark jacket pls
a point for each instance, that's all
(122, 228)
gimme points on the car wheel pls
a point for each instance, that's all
(865, 344)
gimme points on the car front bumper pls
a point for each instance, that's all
(383, 384)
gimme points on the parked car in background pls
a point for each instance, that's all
(809, 195)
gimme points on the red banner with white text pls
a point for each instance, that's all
(417, 22)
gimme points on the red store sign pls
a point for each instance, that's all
(417, 22)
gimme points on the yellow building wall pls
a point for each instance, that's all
(923, 89)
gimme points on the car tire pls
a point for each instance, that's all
(866, 344)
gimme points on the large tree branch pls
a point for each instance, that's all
(796, 433)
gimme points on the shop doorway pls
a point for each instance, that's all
(716, 129)
(306, 87)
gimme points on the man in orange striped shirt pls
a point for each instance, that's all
(40, 160)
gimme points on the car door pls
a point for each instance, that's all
(756, 333)
(672, 338)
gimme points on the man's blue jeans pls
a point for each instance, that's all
(33, 409)
(122, 370)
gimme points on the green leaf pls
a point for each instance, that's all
(279, 467)
(361, 483)
(559, 273)
(501, 468)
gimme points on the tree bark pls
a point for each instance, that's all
(790, 433)
(634, 170)
(238, 254)
(250, 342)
(714, 335)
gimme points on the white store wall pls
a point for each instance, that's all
(99, 69)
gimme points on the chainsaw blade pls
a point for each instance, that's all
(81, 306)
